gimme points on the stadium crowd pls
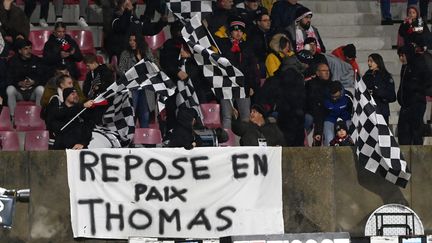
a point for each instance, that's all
(294, 85)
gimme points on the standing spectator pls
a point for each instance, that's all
(380, 84)
(135, 52)
(280, 48)
(414, 29)
(83, 4)
(412, 99)
(14, 22)
(268, 4)
(386, 17)
(258, 131)
(338, 105)
(29, 7)
(260, 35)
(249, 12)
(236, 49)
(283, 13)
(62, 49)
(347, 54)
(222, 10)
(302, 29)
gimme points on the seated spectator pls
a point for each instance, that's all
(379, 82)
(283, 13)
(62, 49)
(183, 134)
(76, 135)
(341, 137)
(338, 104)
(14, 23)
(98, 78)
(258, 131)
(51, 87)
(414, 29)
(83, 4)
(302, 29)
(280, 48)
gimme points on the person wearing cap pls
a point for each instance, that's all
(78, 133)
(258, 131)
(235, 47)
(348, 53)
(341, 137)
(283, 13)
(302, 28)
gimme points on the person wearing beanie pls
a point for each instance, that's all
(302, 28)
(341, 137)
(78, 133)
(236, 48)
(283, 13)
(414, 29)
(258, 131)
(348, 53)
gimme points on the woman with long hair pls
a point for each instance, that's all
(380, 84)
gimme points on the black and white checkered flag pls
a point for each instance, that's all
(186, 94)
(227, 81)
(189, 8)
(377, 149)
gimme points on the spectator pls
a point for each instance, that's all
(341, 138)
(14, 23)
(222, 10)
(260, 36)
(380, 84)
(283, 13)
(414, 29)
(411, 97)
(236, 49)
(125, 22)
(142, 98)
(258, 131)
(76, 135)
(51, 87)
(338, 105)
(280, 48)
(29, 7)
(183, 134)
(249, 13)
(268, 4)
(316, 89)
(302, 28)
(386, 17)
(62, 49)
(83, 4)
(347, 54)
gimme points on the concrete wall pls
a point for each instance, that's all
(323, 190)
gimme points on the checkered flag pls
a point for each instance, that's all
(227, 81)
(189, 8)
(186, 94)
(377, 149)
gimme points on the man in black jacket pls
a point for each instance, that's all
(260, 36)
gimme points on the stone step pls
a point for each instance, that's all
(388, 55)
(342, 7)
(392, 67)
(332, 19)
(361, 43)
(357, 30)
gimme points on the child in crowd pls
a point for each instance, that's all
(342, 138)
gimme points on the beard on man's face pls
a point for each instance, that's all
(305, 25)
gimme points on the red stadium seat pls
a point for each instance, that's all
(27, 118)
(82, 69)
(38, 39)
(5, 122)
(9, 141)
(84, 39)
(36, 140)
(211, 113)
(231, 138)
(147, 136)
(155, 41)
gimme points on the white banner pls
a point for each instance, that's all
(164, 192)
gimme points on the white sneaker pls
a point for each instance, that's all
(43, 23)
(59, 19)
(31, 25)
(81, 22)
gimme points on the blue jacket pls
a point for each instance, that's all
(341, 108)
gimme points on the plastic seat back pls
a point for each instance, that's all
(9, 141)
(27, 118)
(231, 139)
(84, 39)
(38, 39)
(5, 122)
(36, 140)
(147, 136)
(211, 113)
(156, 41)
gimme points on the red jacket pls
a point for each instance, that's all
(338, 52)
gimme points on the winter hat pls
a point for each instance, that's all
(21, 43)
(260, 109)
(237, 24)
(340, 124)
(302, 12)
(67, 92)
(349, 51)
(310, 40)
(305, 56)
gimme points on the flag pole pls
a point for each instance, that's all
(77, 115)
